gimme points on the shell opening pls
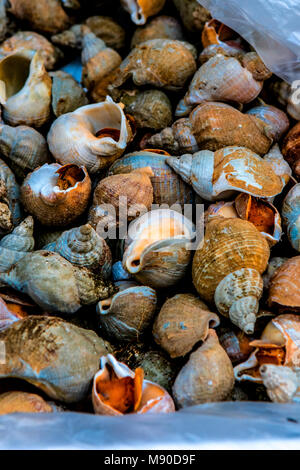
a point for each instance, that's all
(104, 306)
(14, 72)
(109, 132)
(133, 265)
(69, 176)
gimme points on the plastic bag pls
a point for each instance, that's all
(227, 425)
(272, 27)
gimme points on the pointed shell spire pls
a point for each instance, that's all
(16, 244)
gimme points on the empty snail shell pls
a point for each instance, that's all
(99, 64)
(117, 390)
(54, 283)
(182, 322)
(140, 10)
(227, 268)
(291, 215)
(5, 21)
(213, 126)
(71, 37)
(158, 369)
(168, 187)
(290, 148)
(214, 175)
(23, 148)
(284, 289)
(218, 38)
(16, 244)
(158, 249)
(162, 63)
(220, 79)
(273, 265)
(29, 40)
(279, 345)
(7, 316)
(275, 119)
(42, 15)
(124, 196)
(82, 246)
(23, 402)
(55, 356)
(10, 207)
(94, 135)
(236, 345)
(282, 383)
(127, 314)
(206, 377)
(67, 94)
(161, 27)
(280, 166)
(25, 89)
(193, 15)
(56, 195)
(119, 273)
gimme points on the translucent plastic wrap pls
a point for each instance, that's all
(272, 27)
(229, 425)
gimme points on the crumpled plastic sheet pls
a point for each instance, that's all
(272, 27)
(227, 425)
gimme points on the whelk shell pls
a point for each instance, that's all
(22, 402)
(94, 135)
(193, 15)
(206, 377)
(227, 268)
(117, 390)
(279, 345)
(282, 383)
(182, 322)
(158, 249)
(214, 175)
(284, 291)
(25, 89)
(127, 314)
(140, 10)
(161, 27)
(67, 94)
(16, 244)
(55, 356)
(291, 148)
(291, 215)
(10, 207)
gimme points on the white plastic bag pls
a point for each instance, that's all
(272, 27)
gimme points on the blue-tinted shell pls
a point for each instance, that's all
(291, 215)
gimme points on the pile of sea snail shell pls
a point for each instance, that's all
(167, 108)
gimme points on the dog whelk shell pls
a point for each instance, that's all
(291, 215)
(17, 244)
(23, 148)
(55, 356)
(279, 345)
(291, 148)
(236, 345)
(182, 322)
(56, 195)
(284, 289)
(29, 40)
(23, 402)
(161, 27)
(94, 136)
(117, 390)
(54, 283)
(42, 15)
(82, 246)
(25, 89)
(127, 314)
(67, 94)
(168, 187)
(124, 196)
(206, 377)
(221, 79)
(276, 120)
(214, 175)
(227, 268)
(213, 126)
(282, 383)
(158, 369)
(140, 10)
(162, 63)
(158, 249)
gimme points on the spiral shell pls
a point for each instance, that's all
(206, 377)
(73, 136)
(10, 207)
(127, 314)
(140, 10)
(158, 250)
(227, 268)
(282, 169)
(282, 383)
(291, 215)
(182, 322)
(17, 244)
(279, 345)
(82, 246)
(276, 120)
(161, 27)
(168, 187)
(23, 148)
(55, 356)
(25, 89)
(162, 63)
(56, 195)
(118, 390)
(193, 15)
(214, 175)
(22, 402)
(284, 288)
(290, 148)
(67, 94)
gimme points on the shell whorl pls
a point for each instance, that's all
(91, 45)
(16, 244)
